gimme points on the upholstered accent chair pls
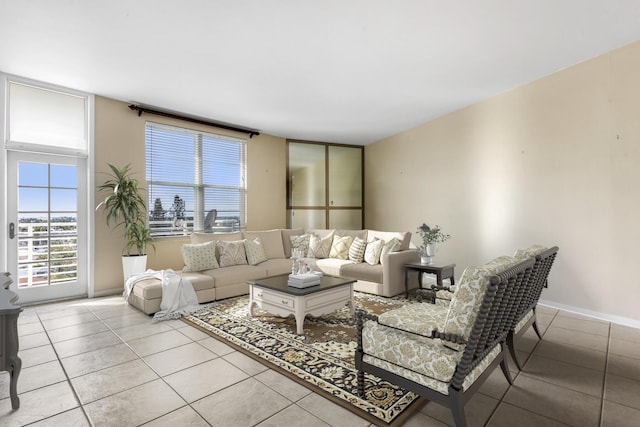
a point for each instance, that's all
(446, 353)
(526, 315)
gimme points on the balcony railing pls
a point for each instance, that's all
(47, 253)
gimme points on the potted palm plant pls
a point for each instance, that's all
(431, 236)
(124, 207)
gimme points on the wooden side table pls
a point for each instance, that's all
(442, 271)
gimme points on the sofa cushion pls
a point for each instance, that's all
(236, 274)
(300, 243)
(148, 288)
(254, 250)
(276, 266)
(322, 232)
(362, 271)
(232, 253)
(340, 247)
(199, 256)
(271, 240)
(286, 239)
(353, 233)
(392, 245)
(357, 248)
(320, 247)
(332, 266)
(208, 237)
(373, 251)
(403, 236)
(199, 280)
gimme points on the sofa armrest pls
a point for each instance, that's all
(393, 272)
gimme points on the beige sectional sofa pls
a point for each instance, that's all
(385, 278)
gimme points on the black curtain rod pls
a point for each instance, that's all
(141, 110)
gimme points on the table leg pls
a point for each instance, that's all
(14, 373)
(251, 303)
(406, 283)
(299, 322)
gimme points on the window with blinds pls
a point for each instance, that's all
(195, 181)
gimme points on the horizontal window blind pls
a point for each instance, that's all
(191, 174)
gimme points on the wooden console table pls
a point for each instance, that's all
(9, 360)
(442, 271)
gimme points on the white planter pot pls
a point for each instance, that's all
(133, 264)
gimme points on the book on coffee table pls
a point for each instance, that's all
(303, 280)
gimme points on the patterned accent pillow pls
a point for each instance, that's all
(300, 243)
(373, 251)
(392, 245)
(199, 256)
(255, 251)
(356, 250)
(232, 253)
(320, 248)
(340, 247)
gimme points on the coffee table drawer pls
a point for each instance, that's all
(328, 297)
(275, 298)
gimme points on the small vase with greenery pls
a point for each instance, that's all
(124, 206)
(430, 236)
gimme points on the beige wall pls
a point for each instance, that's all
(555, 162)
(119, 139)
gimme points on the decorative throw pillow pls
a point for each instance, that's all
(232, 253)
(255, 251)
(373, 251)
(340, 247)
(199, 256)
(356, 250)
(392, 245)
(319, 248)
(300, 243)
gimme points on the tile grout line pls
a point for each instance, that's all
(161, 377)
(604, 381)
(68, 379)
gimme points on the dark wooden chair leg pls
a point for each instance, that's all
(505, 370)
(535, 328)
(512, 350)
(457, 410)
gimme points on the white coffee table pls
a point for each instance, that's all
(274, 295)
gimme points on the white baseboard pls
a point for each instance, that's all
(620, 320)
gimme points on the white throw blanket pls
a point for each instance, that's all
(178, 297)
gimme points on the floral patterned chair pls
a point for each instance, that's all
(445, 353)
(526, 315)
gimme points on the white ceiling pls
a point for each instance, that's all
(346, 71)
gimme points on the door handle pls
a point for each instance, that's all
(12, 231)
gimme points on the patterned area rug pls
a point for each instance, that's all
(321, 359)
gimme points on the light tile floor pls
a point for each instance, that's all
(101, 362)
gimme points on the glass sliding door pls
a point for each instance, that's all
(325, 185)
